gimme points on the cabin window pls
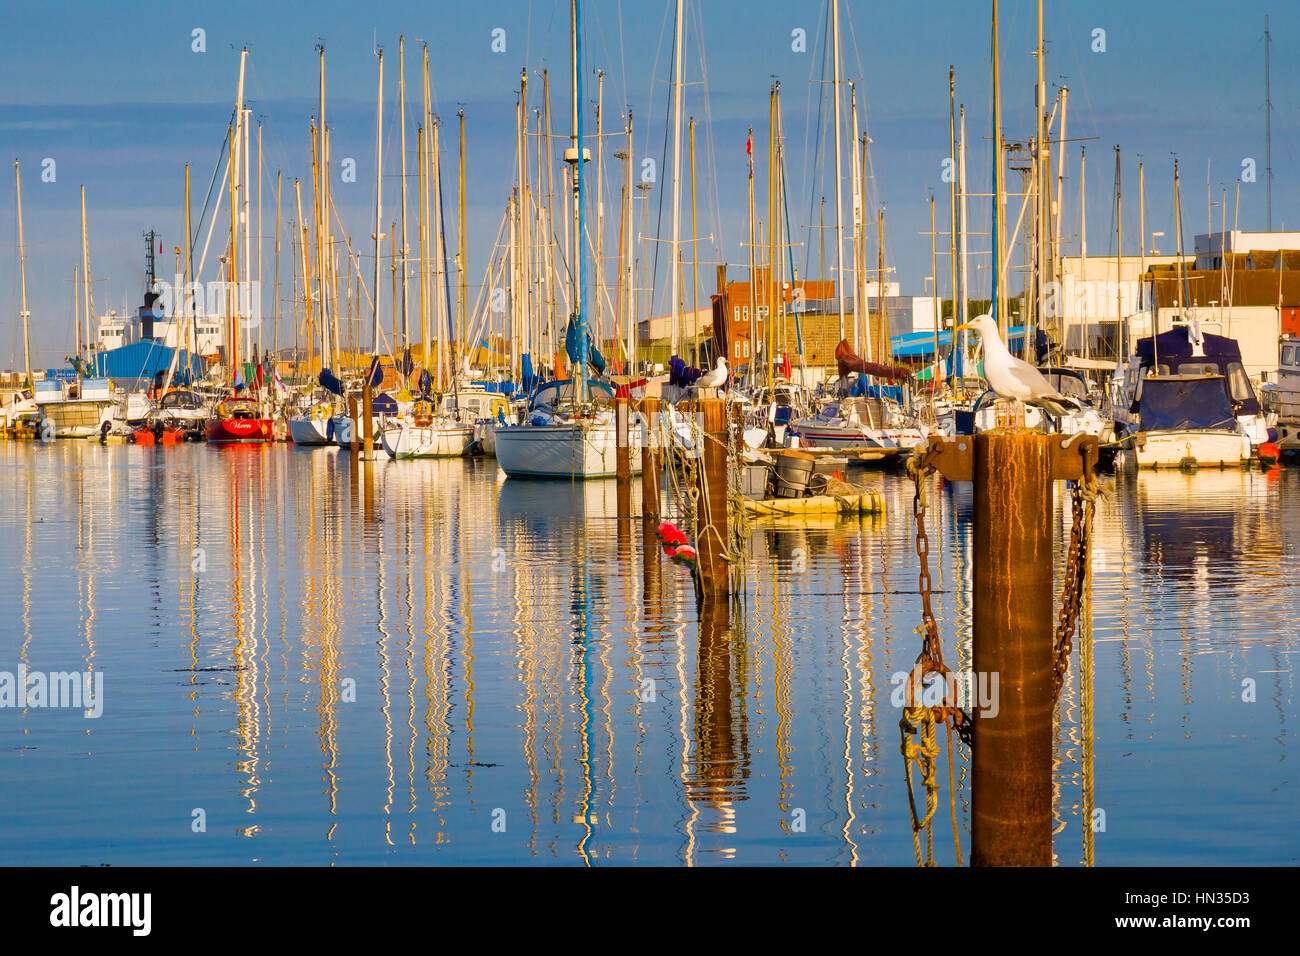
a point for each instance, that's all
(1198, 368)
(1289, 355)
(1239, 383)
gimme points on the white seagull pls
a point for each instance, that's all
(1010, 377)
(716, 378)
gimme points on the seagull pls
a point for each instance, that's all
(1010, 377)
(716, 378)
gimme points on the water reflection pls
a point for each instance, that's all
(410, 661)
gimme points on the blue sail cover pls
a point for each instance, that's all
(376, 374)
(384, 404)
(329, 381)
(571, 348)
(529, 378)
(681, 374)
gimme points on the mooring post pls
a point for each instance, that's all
(711, 526)
(1013, 471)
(353, 445)
(650, 460)
(367, 420)
(1011, 779)
(622, 458)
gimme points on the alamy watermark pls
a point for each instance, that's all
(57, 689)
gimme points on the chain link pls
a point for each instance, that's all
(1084, 506)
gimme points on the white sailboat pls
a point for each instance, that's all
(570, 430)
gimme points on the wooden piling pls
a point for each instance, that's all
(1011, 779)
(713, 571)
(651, 458)
(622, 458)
(367, 419)
(354, 446)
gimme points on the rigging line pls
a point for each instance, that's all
(711, 149)
(819, 144)
(654, 71)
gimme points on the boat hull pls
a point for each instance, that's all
(1178, 449)
(239, 430)
(310, 431)
(433, 441)
(570, 451)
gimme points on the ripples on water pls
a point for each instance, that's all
(420, 662)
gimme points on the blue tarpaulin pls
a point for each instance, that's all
(144, 360)
(919, 346)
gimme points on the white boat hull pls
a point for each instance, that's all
(1174, 449)
(310, 431)
(432, 441)
(570, 451)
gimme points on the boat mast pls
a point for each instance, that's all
(85, 259)
(1083, 237)
(599, 291)
(406, 246)
(695, 247)
(379, 188)
(579, 190)
(630, 255)
(517, 346)
(839, 196)
(1041, 194)
(953, 287)
(461, 257)
(999, 186)
(22, 272)
(858, 219)
(1119, 250)
(959, 369)
(232, 328)
(322, 173)
(426, 211)
(306, 277)
(753, 278)
(773, 275)
(675, 278)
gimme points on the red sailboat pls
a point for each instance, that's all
(238, 420)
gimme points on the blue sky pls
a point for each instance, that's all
(114, 94)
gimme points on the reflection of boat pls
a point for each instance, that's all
(238, 420)
(1184, 420)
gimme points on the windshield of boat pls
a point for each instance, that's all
(560, 393)
(1067, 384)
(1176, 404)
(180, 400)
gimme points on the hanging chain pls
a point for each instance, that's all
(930, 660)
(1084, 506)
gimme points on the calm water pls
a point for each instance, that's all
(421, 662)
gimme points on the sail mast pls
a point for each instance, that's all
(22, 272)
(839, 191)
(675, 278)
(379, 190)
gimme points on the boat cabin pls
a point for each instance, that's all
(1185, 403)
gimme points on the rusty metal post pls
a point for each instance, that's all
(711, 525)
(367, 419)
(1011, 779)
(651, 462)
(1013, 471)
(352, 414)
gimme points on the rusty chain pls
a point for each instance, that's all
(1083, 505)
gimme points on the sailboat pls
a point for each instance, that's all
(569, 430)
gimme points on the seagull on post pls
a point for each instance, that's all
(1010, 377)
(715, 378)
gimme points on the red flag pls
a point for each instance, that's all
(749, 145)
